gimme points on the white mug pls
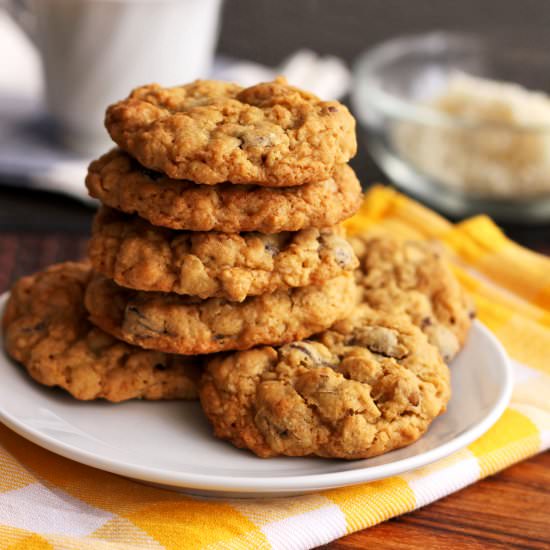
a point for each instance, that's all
(95, 51)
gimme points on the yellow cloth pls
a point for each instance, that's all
(49, 502)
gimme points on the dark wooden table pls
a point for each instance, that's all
(508, 510)
(511, 509)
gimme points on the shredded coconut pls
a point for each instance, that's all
(502, 148)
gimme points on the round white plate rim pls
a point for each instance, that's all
(282, 484)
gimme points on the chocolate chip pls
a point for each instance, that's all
(332, 109)
(151, 174)
(160, 366)
(36, 328)
(382, 341)
(283, 433)
(472, 314)
(312, 354)
(271, 249)
(426, 322)
(305, 350)
(134, 309)
(142, 321)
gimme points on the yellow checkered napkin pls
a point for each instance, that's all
(50, 502)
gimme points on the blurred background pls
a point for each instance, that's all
(264, 32)
(267, 31)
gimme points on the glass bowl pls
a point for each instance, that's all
(458, 166)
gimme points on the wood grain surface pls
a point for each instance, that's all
(507, 510)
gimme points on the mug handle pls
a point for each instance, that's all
(23, 16)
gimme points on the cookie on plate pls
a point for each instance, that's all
(210, 132)
(120, 182)
(370, 384)
(46, 329)
(138, 255)
(187, 325)
(411, 277)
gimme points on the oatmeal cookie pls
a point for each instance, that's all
(411, 277)
(120, 182)
(46, 328)
(370, 384)
(187, 325)
(138, 255)
(211, 132)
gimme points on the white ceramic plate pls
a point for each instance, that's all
(170, 443)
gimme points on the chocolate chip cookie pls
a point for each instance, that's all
(138, 255)
(186, 325)
(211, 132)
(120, 182)
(46, 328)
(370, 384)
(411, 277)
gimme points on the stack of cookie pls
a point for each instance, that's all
(219, 226)
(218, 232)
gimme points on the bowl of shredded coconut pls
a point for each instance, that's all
(461, 122)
